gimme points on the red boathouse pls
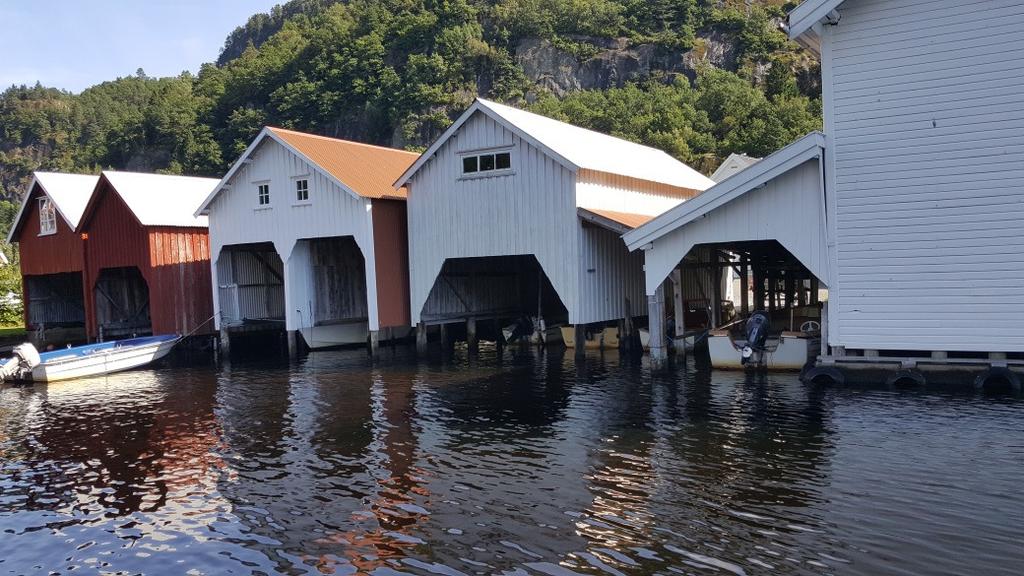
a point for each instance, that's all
(146, 258)
(52, 256)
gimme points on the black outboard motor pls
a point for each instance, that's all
(756, 330)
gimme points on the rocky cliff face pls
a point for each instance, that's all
(617, 62)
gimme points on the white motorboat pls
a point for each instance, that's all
(85, 361)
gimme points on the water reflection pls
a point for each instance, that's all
(530, 462)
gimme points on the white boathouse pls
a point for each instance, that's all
(910, 201)
(308, 235)
(513, 214)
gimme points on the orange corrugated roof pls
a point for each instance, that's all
(625, 218)
(367, 169)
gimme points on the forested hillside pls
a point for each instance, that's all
(698, 78)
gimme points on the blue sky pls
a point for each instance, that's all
(73, 44)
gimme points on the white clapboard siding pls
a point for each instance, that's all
(787, 209)
(529, 210)
(927, 129)
(236, 218)
(609, 274)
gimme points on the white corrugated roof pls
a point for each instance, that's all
(810, 146)
(600, 152)
(161, 199)
(733, 164)
(577, 148)
(70, 193)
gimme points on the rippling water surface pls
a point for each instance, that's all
(529, 465)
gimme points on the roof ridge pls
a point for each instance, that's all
(341, 140)
(159, 175)
(486, 102)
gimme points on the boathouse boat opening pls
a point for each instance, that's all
(507, 183)
(54, 303)
(496, 298)
(765, 224)
(332, 230)
(340, 311)
(122, 303)
(250, 290)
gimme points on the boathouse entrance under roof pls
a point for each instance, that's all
(250, 288)
(55, 307)
(493, 292)
(766, 224)
(122, 303)
(337, 311)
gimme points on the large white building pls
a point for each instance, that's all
(910, 202)
(511, 212)
(308, 235)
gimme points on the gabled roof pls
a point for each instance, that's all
(806, 148)
(156, 199)
(733, 164)
(802, 21)
(619, 222)
(68, 192)
(577, 148)
(364, 170)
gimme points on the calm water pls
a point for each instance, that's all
(530, 465)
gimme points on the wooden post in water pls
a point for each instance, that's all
(374, 345)
(225, 343)
(627, 323)
(716, 306)
(580, 331)
(679, 312)
(421, 338)
(471, 340)
(745, 287)
(656, 325)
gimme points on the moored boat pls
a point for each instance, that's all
(85, 361)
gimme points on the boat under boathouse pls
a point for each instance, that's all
(147, 258)
(767, 223)
(52, 256)
(309, 237)
(516, 216)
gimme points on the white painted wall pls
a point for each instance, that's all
(530, 210)
(925, 118)
(236, 218)
(787, 209)
(605, 194)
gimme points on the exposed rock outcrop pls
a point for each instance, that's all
(617, 62)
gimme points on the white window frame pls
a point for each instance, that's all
(296, 201)
(47, 217)
(260, 204)
(479, 155)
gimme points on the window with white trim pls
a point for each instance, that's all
(47, 217)
(263, 194)
(482, 163)
(302, 190)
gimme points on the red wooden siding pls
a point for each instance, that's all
(174, 261)
(51, 254)
(180, 273)
(391, 252)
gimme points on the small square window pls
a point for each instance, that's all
(47, 217)
(503, 161)
(302, 190)
(487, 162)
(469, 164)
(263, 194)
